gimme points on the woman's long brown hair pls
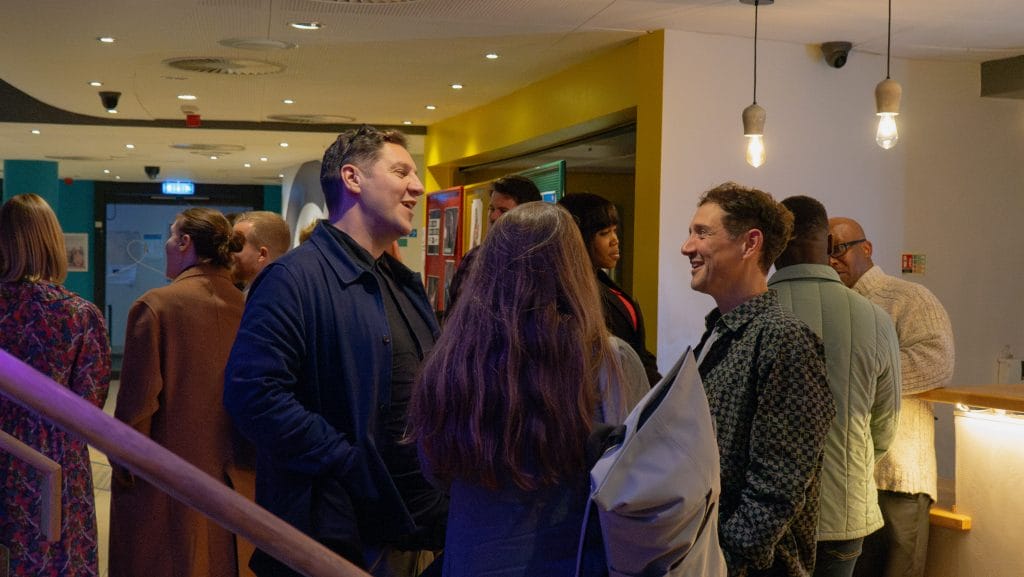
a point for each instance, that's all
(509, 391)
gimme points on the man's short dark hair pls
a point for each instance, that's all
(518, 188)
(746, 208)
(360, 147)
(809, 216)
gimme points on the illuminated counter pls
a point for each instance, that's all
(989, 425)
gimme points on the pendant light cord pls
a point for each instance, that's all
(755, 48)
(888, 46)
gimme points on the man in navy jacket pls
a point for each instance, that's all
(322, 369)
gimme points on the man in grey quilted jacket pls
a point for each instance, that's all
(862, 359)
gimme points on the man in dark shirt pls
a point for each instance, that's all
(764, 374)
(321, 373)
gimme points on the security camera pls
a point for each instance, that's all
(109, 99)
(152, 172)
(836, 53)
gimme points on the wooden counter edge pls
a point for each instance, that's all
(949, 520)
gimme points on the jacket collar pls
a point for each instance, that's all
(203, 269)
(347, 268)
(805, 271)
(743, 314)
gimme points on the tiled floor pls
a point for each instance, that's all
(101, 486)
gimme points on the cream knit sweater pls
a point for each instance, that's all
(926, 359)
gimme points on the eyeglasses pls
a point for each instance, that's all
(840, 249)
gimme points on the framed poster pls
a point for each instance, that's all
(77, 246)
(451, 230)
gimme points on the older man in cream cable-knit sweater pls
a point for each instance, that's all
(906, 476)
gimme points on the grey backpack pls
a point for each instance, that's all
(656, 488)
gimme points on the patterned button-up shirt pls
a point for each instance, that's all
(766, 383)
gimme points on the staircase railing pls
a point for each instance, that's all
(168, 472)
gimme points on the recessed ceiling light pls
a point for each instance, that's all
(112, 110)
(95, 83)
(456, 86)
(288, 101)
(264, 159)
(106, 39)
(117, 178)
(130, 146)
(280, 176)
(406, 122)
(214, 157)
(106, 171)
(36, 131)
(247, 165)
(430, 107)
(492, 56)
(306, 25)
(284, 145)
(187, 97)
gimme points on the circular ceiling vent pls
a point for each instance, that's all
(311, 118)
(230, 66)
(260, 44)
(199, 148)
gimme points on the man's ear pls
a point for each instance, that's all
(753, 243)
(264, 254)
(351, 176)
(183, 242)
(868, 248)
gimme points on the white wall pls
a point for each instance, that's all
(819, 137)
(951, 189)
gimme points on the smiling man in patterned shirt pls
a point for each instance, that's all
(764, 374)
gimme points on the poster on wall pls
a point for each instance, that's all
(434, 231)
(432, 283)
(77, 246)
(451, 230)
(444, 243)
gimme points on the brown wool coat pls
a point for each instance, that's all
(172, 379)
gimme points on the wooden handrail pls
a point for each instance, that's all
(169, 472)
(50, 509)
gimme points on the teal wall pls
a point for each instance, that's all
(272, 198)
(76, 215)
(35, 176)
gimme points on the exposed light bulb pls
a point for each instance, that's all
(755, 150)
(887, 134)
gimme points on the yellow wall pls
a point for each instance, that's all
(615, 87)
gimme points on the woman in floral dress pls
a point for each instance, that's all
(64, 337)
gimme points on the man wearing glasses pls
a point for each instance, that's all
(906, 476)
(863, 361)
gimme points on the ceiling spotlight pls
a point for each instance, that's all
(106, 39)
(95, 83)
(112, 110)
(264, 159)
(430, 107)
(187, 97)
(280, 176)
(214, 157)
(36, 131)
(456, 86)
(288, 101)
(247, 165)
(306, 25)
(117, 178)
(106, 171)
(284, 145)
(130, 146)
(407, 122)
(492, 56)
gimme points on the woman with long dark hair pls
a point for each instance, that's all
(63, 336)
(510, 394)
(598, 220)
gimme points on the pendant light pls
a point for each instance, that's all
(887, 99)
(754, 115)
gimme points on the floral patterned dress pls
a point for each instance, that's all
(64, 337)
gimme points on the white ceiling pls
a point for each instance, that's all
(378, 62)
